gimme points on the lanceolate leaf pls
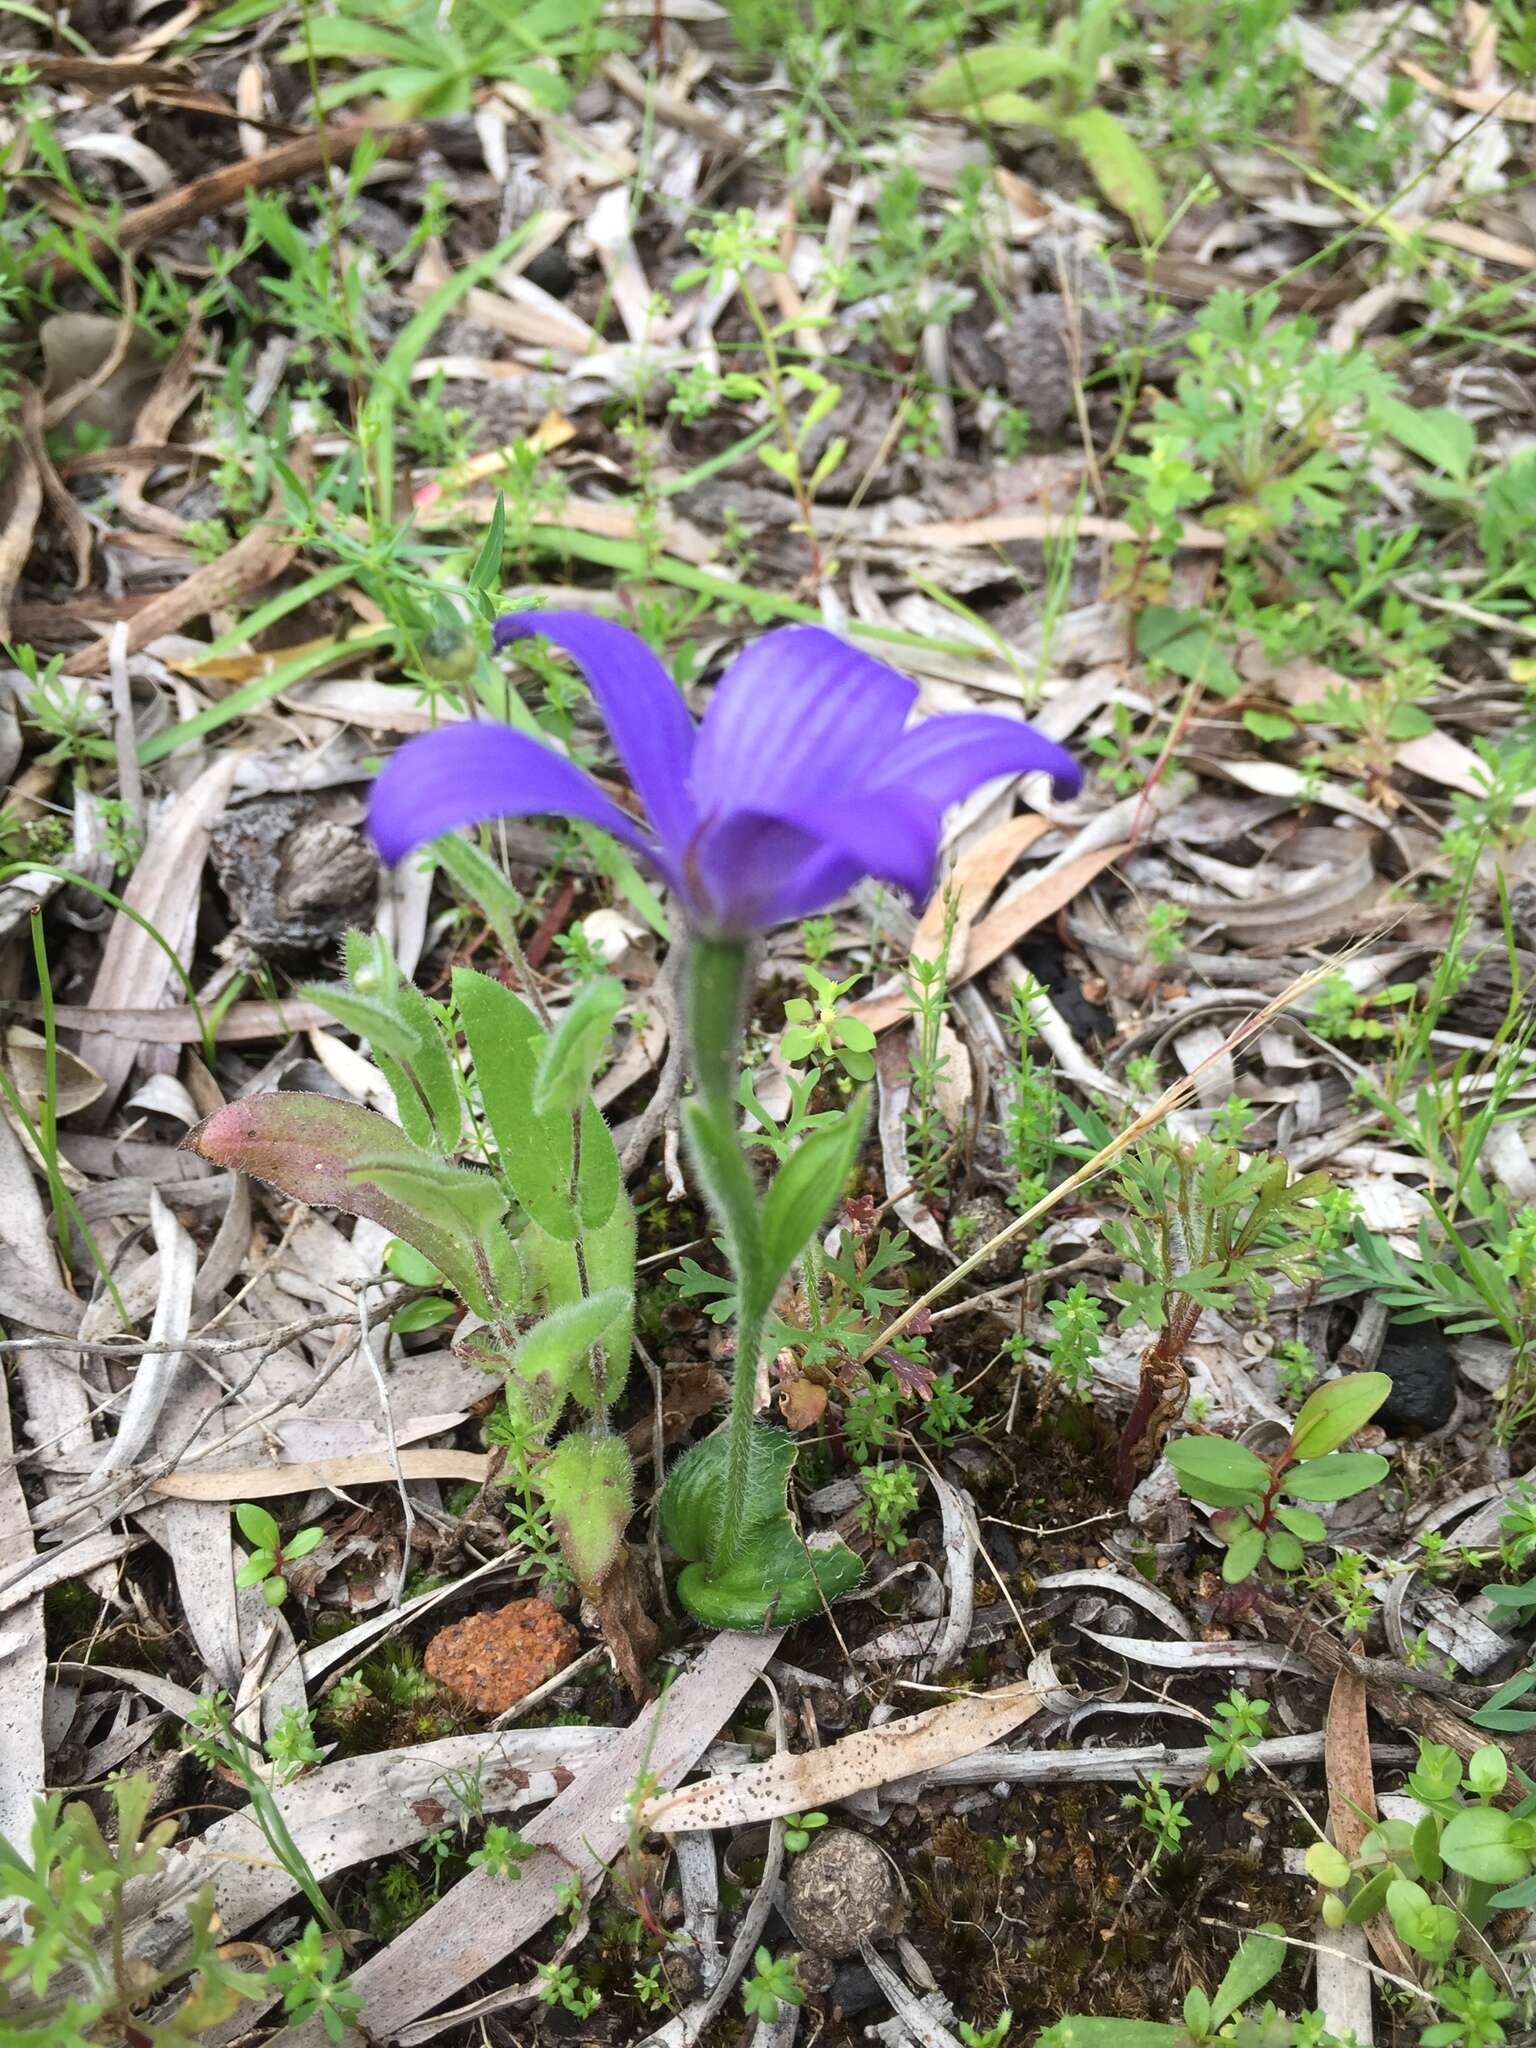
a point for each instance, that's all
(541, 1366)
(773, 1579)
(1121, 168)
(588, 1486)
(535, 1151)
(554, 1276)
(804, 1190)
(308, 1146)
(570, 1054)
(996, 67)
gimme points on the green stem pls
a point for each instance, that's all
(717, 978)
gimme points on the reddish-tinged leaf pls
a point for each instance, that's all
(310, 1146)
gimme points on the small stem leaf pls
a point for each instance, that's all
(1479, 1841)
(1331, 1416)
(1302, 1522)
(302, 1544)
(541, 1367)
(1336, 1477)
(771, 1579)
(256, 1568)
(1243, 1554)
(805, 1189)
(555, 1277)
(1329, 1866)
(257, 1526)
(311, 1148)
(1371, 1897)
(482, 882)
(587, 1483)
(1219, 1473)
(563, 1078)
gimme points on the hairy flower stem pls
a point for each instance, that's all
(717, 979)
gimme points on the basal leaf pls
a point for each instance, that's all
(310, 1147)
(964, 82)
(1121, 168)
(773, 1579)
(587, 1483)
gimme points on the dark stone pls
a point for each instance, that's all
(551, 271)
(1417, 1360)
(854, 1991)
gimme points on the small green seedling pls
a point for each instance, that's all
(1254, 1519)
(773, 1983)
(818, 1032)
(798, 1829)
(271, 1555)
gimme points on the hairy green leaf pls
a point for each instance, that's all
(535, 1151)
(310, 1147)
(587, 1483)
(964, 82)
(773, 1579)
(544, 1360)
(805, 1188)
(563, 1079)
(1121, 168)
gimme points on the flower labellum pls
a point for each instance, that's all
(802, 776)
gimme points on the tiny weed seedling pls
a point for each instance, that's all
(1440, 1879)
(1257, 1517)
(271, 1556)
(1236, 1723)
(773, 1982)
(1159, 1815)
(890, 1501)
(799, 1828)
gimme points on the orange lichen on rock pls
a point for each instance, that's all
(495, 1660)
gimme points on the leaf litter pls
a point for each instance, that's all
(1173, 394)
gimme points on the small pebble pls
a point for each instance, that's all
(841, 1891)
(494, 1660)
(1418, 1361)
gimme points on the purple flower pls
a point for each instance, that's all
(801, 777)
